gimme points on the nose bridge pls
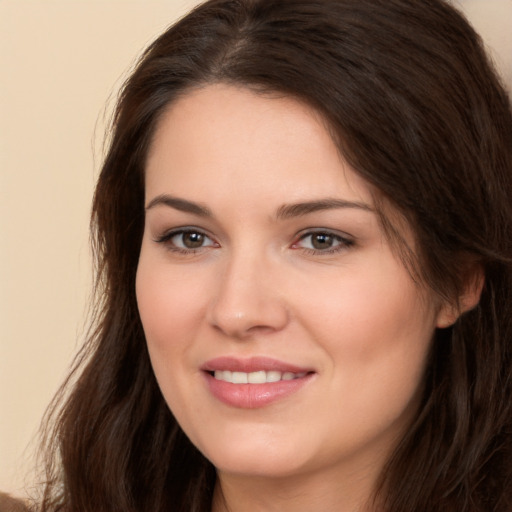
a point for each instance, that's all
(247, 299)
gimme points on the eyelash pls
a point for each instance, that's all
(342, 242)
(166, 239)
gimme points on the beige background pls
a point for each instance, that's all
(60, 62)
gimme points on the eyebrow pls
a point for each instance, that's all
(285, 211)
(288, 211)
(180, 204)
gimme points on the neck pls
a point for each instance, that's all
(303, 493)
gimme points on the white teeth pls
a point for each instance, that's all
(273, 376)
(239, 378)
(259, 377)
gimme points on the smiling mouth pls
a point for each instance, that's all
(255, 389)
(257, 377)
(255, 382)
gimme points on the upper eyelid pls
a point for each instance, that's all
(328, 231)
(302, 232)
(184, 229)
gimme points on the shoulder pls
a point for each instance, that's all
(10, 504)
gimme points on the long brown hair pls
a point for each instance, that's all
(416, 108)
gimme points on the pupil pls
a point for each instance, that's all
(193, 240)
(322, 241)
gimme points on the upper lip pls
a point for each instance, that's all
(252, 364)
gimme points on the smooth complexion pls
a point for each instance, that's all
(262, 251)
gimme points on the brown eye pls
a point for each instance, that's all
(186, 240)
(322, 241)
(193, 240)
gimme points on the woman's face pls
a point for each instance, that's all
(285, 335)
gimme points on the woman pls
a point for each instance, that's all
(303, 230)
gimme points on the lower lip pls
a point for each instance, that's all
(253, 396)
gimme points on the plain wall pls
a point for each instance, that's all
(60, 62)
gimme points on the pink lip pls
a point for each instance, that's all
(253, 364)
(252, 396)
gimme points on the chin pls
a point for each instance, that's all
(262, 456)
(260, 466)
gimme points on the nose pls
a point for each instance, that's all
(248, 300)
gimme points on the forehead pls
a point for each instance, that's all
(221, 139)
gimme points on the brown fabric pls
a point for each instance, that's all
(10, 504)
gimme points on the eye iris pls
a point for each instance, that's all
(321, 241)
(193, 240)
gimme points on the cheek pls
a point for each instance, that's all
(377, 332)
(370, 307)
(169, 303)
(170, 308)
